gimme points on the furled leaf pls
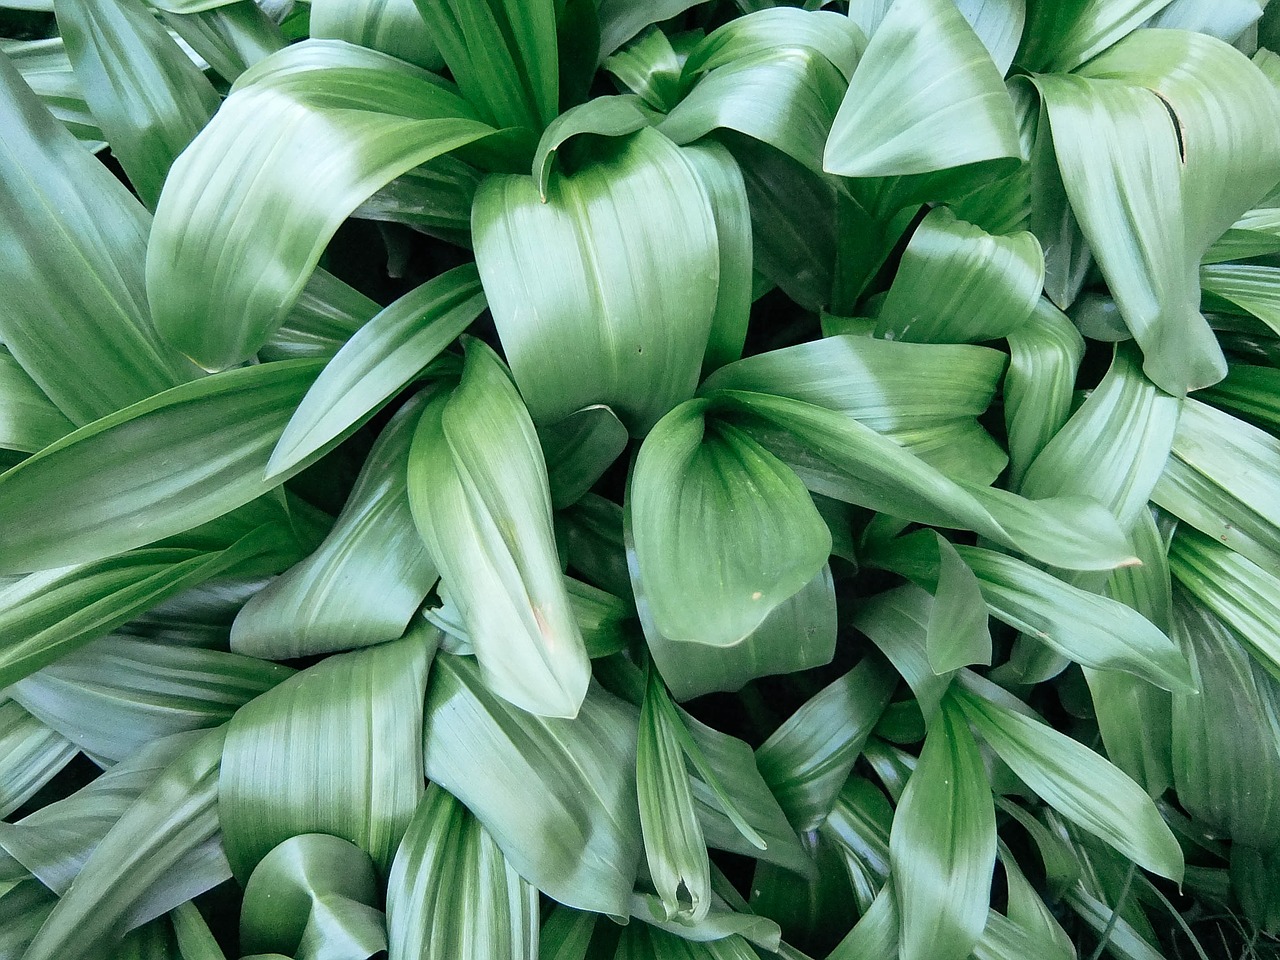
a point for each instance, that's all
(625, 324)
(322, 97)
(365, 581)
(174, 821)
(115, 480)
(557, 796)
(148, 97)
(76, 316)
(452, 894)
(959, 284)
(1074, 780)
(1061, 36)
(925, 97)
(579, 449)
(649, 68)
(479, 494)
(601, 117)
(379, 360)
(807, 760)
(698, 480)
(32, 753)
(333, 749)
(118, 694)
(943, 845)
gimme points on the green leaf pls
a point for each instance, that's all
(479, 494)
(326, 316)
(806, 761)
(1114, 447)
(1044, 359)
(957, 634)
(192, 935)
(45, 67)
(453, 894)
(859, 824)
(620, 20)
(601, 117)
(1074, 780)
(897, 621)
(649, 68)
(959, 284)
(1252, 288)
(1255, 234)
(579, 449)
(374, 116)
(232, 37)
(76, 316)
(1061, 36)
(32, 752)
(165, 842)
(148, 97)
(557, 796)
(29, 421)
(118, 694)
(333, 749)
(878, 473)
(365, 581)
(49, 614)
(395, 27)
(943, 845)
(673, 842)
(1225, 752)
(115, 480)
(698, 480)
(926, 97)
(378, 361)
(998, 24)
(502, 55)
(605, 293)
(299, 890)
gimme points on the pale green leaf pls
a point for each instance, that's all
(379, 360)
(558, 796)
(231, 37)
(29, 421)
(47, 70)
(334, 749)
(326, 316)
(391, 26)
(998, 24)
(479, 494)
(579, 449)
(601, 117)
(452, 894)
(620, 20)
(587, 288)
(1062, 35)
(649, 68)
(32, 754)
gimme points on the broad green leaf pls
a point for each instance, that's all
(875, 935)
(48, 614)
(194, 939)
(1044, 359)
(620, 20)
(1253, 288)
(959, 284)
(433, 198)
(47, 70)
(1234, 588)
(673, 842)
(698, 480)
(379, 360)
(118, 694)
(558, 796)
(173, 822)
(807, 760)
(579, 449)
(602, 117)
(880, 474)
(326, 316)
(778, 29)
(1253, 880)
(943, 845)
(651, 69)
(503, 56)
(479, 495)
(29, 421)
(333, 749)
(115, 479)
(957, 634)
(1226, 746)
(859, 824)
(381, 116)
(925, 97)
(32, 753)
(365, 581)
(231, 37)
(1074, 780)
(1114, 447)
(998, 24)
(76, 315)
(1060, 36)
(452, 894)
(395, 27)
(605, 293)
(897, 621)
(1067, 257)
(148, 97)
(1221, 479)
(308, 881)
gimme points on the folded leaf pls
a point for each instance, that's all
(391, 26)
(1061, 36)
(115, 480)
(333, 749)
(381, 116)
(626, 325)
(32, 753)
(45, 67)
(897, 621)
(557, 796)
(479, 494)
(925, 97)
(29, 421)
(579, 449)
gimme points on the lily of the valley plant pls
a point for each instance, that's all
(639, 479)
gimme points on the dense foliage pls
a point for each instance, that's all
(813, 489)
